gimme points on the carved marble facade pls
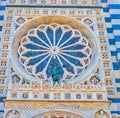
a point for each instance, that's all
(81, 92)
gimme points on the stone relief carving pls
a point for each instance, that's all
(13, 114)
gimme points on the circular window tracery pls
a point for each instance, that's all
(51, 47)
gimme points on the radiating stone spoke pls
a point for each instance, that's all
(71, 51)
(74, 47)
(43, 37)
(47, 63)
(36, 60)
(35, 40)
(59, 61)
(67, 64)
(70, 41)
(68, 61)
(73, 58)
(50, 36)
(40, 45)
(40, 66)
(43, 42)
(42, 59)
(33, 54)
(44, 53)
(77, 54)
(65, 37)
(58, 35)
(74, 61)
(33, 47)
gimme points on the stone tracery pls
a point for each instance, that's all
(55, 46)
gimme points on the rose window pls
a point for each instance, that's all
(55, 48)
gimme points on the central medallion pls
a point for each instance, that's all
(54, 50)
